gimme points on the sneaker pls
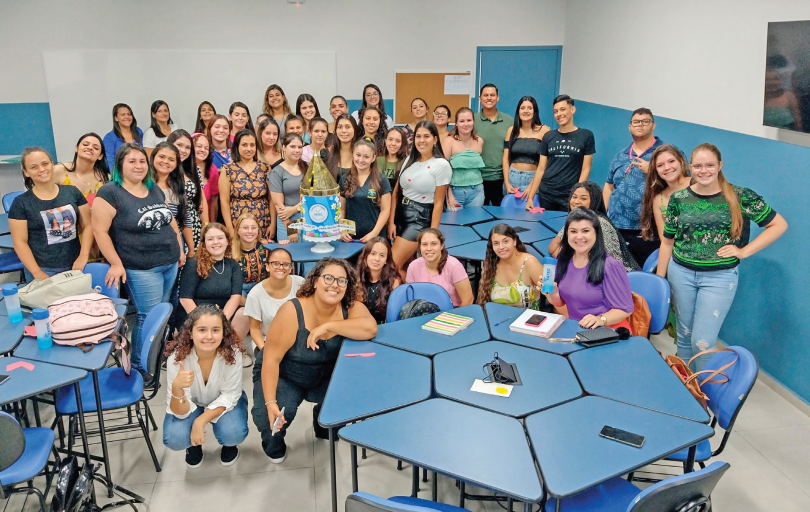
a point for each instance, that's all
(194, 456)
(281, 459)
(228, 455)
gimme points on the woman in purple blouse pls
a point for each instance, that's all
(589, 281)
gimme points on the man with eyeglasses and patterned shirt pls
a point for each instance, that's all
(624, 189)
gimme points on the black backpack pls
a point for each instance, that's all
(417, 307)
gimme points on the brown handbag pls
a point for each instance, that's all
(690, 379)
(640, 317)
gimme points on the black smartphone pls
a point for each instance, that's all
(536, 320)
(622, 436)
(3, 378)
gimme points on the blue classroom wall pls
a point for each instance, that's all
(23, 125)
(770, 312)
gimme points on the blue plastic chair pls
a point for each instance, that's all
(511, 201)
(655, 290)
(408, 292)
(652, 262)
(10, 262)
(9, 198)
(117, 389)
(725, 399)
(690, 492)
(98, 271)
(364, 502)
(30, 449)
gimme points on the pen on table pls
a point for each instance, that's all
(501, 321)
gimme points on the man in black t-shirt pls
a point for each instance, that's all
(566, 155)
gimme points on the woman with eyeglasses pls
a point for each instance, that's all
(265, 299)
(372, 97)
(441, 118)
(703, 233)
(297, 361)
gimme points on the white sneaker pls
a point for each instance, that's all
(280, 459)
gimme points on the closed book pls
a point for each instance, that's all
(448, 324)
(546, 327)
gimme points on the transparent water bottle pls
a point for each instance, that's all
(12, 301)
(549, 273)
(43, 325)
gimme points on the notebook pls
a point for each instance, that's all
(448, 324)
(545, 329)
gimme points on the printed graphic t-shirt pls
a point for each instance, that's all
(52, 225)
(565, 152)
(141, 230)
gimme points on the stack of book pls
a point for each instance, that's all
(448, 324)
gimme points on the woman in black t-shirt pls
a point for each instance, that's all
(137, 235)
(213, 277)
(45, 221)
(365, 194)
(377, 277)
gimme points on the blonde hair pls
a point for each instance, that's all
(731, 198)
(236, 243)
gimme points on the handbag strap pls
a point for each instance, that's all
(713, 373)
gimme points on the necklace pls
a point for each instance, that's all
(214, 266)
(82, 179)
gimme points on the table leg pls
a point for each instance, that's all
(461, 492)
(38, 420)
(435, 495)
(332, 435)
(557, 505)
(509, 504)
(415, 482)
(83, 426)
(424, 475)
(690, 459)
(103, 436)
(354, 468)
(364, 454)
(527, 507)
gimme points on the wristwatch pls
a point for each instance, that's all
(603, 318)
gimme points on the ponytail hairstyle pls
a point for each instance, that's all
(491, 260)
(200, 125)
(352, 182)
(438, 234)
(654, 185)
(153, 123)
(174, 180)
(437, 148)
(731, 198)
(29, 183)
(234, 106)
(288, 138)
(189, 165)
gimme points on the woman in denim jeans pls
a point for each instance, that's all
(138, 236)
(702, 233)
(521, 149)
(463, 149)
(296, 363)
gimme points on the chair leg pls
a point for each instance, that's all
(630, 477)
(145, 430)
(151, 418)
(702, 465)
(71, 430)
(56, 463)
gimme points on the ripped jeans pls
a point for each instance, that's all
(702, 301)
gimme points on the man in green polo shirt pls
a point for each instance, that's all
(491, 125)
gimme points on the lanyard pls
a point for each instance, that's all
(630, 155)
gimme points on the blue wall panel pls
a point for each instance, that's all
(770, 312)
(23, 125)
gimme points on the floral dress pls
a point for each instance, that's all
(249, 193)
(193, 214)
(517, 293)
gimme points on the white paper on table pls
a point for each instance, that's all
(457, 84)
(492, 388)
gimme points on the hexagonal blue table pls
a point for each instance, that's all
(522, 214)
(466, 216)
(458, 235)
(505, 315)
(548, 379)
(409, 335)
(534, 230)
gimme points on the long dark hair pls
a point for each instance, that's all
(388, 275)
(597, 255)
(301, 99)
(133, 128)
(183, 342)
(402, 154)
(437, 148)
(101, 169)
(382, 102)
(333, 161)
(209, 160)
(249, 125)
(207, 132)
(189, 165)
(593, 190)
(307, 288)
(537, 124)
(200, 126)
(288, 138)
(438, 234)
(490, 265)
(153, 122)
(260, 129)
(237, 139)
(654, 185)
(351, 184)
(382, 129)
(174, 180)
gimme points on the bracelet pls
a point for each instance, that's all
(270, 402)
(181, 399)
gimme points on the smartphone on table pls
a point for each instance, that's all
(622, 436)
(536, 320)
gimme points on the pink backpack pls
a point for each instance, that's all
(84, 321)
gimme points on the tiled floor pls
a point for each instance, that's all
(769, 453)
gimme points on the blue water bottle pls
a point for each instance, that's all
(12, 301)
(43, 325)
(549, 273)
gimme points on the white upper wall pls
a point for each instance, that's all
(701, 61)
(371, 38)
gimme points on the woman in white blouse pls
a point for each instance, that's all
(204, 369)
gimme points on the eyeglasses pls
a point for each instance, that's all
(641, 122)
(440, 114)
(329, 279)
(708, 167)
(284, 265)
(372, 94)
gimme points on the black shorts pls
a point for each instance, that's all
(413, 217)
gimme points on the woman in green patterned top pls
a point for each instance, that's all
(509, 273)
(702, 234)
